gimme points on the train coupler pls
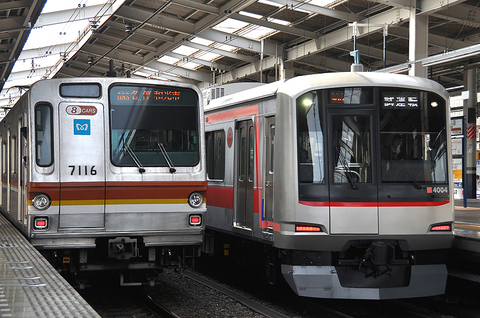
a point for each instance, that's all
(123, 248)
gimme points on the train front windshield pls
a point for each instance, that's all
(376, 135)
(153, 126)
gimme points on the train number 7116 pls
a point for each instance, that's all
(83, 170)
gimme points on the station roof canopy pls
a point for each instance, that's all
(16, 20)
(208, 42)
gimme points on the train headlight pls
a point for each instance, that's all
(41, 201)
(195, 199)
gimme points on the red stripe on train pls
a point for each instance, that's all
(222, 197)
(115, 190)
(373, 204)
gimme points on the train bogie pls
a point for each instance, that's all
(347, 176)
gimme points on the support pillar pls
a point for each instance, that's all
(418, 43)
(287, 71)
(470, 113)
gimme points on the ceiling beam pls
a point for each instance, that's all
(15, 5)
(197, 6)
(132, 44)
(159, 20)
(337, 14)
(77, 14)
(148, 33)
(238, 56)
(180, 71)
(194, 59)
(275, 26)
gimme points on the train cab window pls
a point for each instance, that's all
(310, 139)
(413, 137)
(352, 149)
(215, 154)
(82, 90)
(43, 135)
(154, 126)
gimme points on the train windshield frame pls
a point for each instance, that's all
(154, 126)
(385, 136)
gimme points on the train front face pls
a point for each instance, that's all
(125, 178)
(372, 214)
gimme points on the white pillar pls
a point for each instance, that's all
(418, 42)
(470, 113)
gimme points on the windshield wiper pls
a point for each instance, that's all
(166, 157)
(141, 169)
(414, 181)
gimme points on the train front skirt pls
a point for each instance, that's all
(323, 282)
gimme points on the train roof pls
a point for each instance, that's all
(298, 85)
(256, 93)
(301, 84)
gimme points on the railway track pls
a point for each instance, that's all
(182, 294)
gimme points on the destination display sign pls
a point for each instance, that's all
(399, 100)
(150, 96)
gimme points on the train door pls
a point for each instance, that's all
(353, 190)
(82, 165)
(244, 173)
(269, 162)
(23, 169)
(9, 169)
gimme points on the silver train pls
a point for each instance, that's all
(341, 182)
(106, 173)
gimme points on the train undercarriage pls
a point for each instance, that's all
(127, 257)
(365, 269)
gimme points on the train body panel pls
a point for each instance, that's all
(312, 169)
(112, 158)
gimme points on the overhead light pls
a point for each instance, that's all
(451, 56)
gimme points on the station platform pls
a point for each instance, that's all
(29, 285)
(467, 219)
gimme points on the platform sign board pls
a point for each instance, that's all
(457, 145)
(456, 126)
(457, 178)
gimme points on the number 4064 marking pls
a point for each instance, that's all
(82, 170)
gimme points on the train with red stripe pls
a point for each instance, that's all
(107, 174)
(339, 182)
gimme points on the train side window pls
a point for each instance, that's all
(310, 139)
(251, 155)
(13, 154)
(216, 155)
(4, 157)
(43, 135)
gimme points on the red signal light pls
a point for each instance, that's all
(301, 228)
(40, 223)
(195, 220)
(441, 228)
